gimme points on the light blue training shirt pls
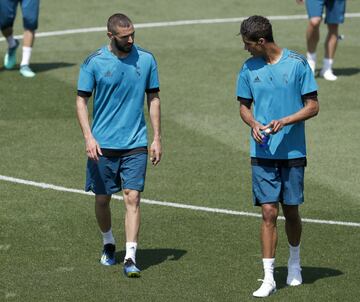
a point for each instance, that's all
(119, 87)
(276, 91)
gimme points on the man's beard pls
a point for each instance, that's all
(122, 48)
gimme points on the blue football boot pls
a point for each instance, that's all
(10, 57)
(108, 255)
(26, 71)
(130, 270)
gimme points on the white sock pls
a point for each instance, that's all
(26, 55)
(108, 237)
(294, 258)
(311, 56)
(327, 64)
(268, 264)
(11, 41)
(131, 251)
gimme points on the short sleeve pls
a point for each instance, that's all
(153, 79)
(307, 80)
(243, 89)
(86, 81)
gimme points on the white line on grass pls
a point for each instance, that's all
(165, 203)
(170, 23)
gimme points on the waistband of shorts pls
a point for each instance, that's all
(123, 152)
(279, 163)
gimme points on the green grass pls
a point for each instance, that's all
(49, 241)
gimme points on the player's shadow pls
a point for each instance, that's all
(345, 72)
(309, 274)
(41, 67)
(149, 257)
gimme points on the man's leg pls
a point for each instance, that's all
(132, 220)
(268, 242)
(103, 217)
(30, 12)
(132, 226)
(331, 40)
(28, 42)
(269, 230)
(7, 17)
(330, 49)
(102, 212)
(293, 230)
(312, 39)
(10, 56)
(7, 32)
(293, 225)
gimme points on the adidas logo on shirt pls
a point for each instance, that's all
(257, 80)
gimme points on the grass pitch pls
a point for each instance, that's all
(49, 241)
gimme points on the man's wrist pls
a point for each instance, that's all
(157, 138)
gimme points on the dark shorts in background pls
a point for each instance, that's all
(335, 10)
(30, 13)
(278, 184)
(113, 174)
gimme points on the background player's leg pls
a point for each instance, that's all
(312, 39)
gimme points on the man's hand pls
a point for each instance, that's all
(155, 152)
(256, 132)
(275, 126)
(92, 149)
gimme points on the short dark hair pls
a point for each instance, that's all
(118, 20)
(256, 27)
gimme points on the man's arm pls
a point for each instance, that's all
(91, 145)
(248, 117)
(153, 101)
(310, 110)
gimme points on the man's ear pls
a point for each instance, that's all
(261, 41)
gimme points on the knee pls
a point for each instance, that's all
(132, 198)
(269, 216)
(315, 22)
(102, 200)
(291, 214)
(333, 29)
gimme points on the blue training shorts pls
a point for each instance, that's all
(30, 13)
(335, 10)
(278, 184)
(113, 174)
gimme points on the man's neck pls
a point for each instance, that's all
(116, 52)
(273, 53)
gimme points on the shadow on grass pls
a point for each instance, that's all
(310, 274)
(341, 71)
(41, 67)
(346, 71)
(149, 257)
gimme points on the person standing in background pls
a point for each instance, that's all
(30, 13)
(335, 15)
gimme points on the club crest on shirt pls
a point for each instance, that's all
(138, 70)
(285, 78)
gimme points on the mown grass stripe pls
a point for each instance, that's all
(171, 23)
